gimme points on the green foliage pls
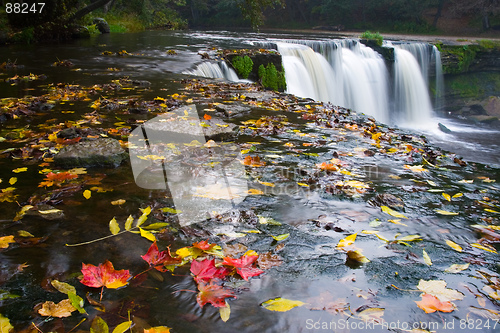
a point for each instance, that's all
(374, 36)
(252, 10)
(271, 78)
(26, 36)
(93, 29)
(243, 66)
(489, 44)
(464, 55)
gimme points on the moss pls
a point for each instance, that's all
(374, 36)
(489, 44)
(464, 55)
(243, 66)
(271, 78)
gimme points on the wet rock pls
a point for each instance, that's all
(141, 83)
(492, 106)
(484, 119)
(68, 133)
(444, 128)
(47, 212)
(232, 109)
(386, 199)
(80, 31)
(102, 25)
(103, 152)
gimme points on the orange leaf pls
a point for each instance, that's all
(432, 304)
(327, 166)
(59, 310)
(158, 329)
(207, 117)
(104, 275)
(5, 241)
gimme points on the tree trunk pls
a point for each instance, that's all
(84, 11)
(438, 13)
(486, 22)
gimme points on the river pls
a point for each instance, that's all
(443, 202)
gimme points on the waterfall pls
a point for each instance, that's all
(216, 70)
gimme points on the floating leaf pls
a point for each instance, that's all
(438, 289)
(158, 259)
(5, 326)
(445, 212)
(114, 227)
(171, 210)
(104, 275)
(455, 268)
(122, 327)
(63, 287)
(118, 202)
(18, 170)
(372, 315)
(99, 326)
(454, 245)
(59, 310)
(349, 240)
(225, 312)
(147, 234)
(186, 252)
(254, 191)
(483, 247)
(157, 329)
(87, 194)
(244, 266)
(50, 211)
(12, 180)
(76, 301)
(213, 294)
(128, 222)
(281, 237)
(457, 195)
(281, 304)
(206, 270)
(5, 241)
(356, 255)
(447, 196)
(415, 168)
(430, 304)
(427, 259)
(392, 212)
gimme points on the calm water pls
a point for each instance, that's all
(311, 266)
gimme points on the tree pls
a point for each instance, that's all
(252, 10)
(485, 8)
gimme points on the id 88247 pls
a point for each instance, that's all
(24, 8)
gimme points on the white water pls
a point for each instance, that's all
(219, 70)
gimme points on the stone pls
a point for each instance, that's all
(484, 119)
(232, 109)
(102, 152)
(492, 106)
(386, 199)
(444, 128)
(80, 32)
(102, 25)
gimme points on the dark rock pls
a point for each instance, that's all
(138, 110)
(484, 119)
(141, 83)
(68, 133)
(232, 109)
(102, 25)
(80, 31)
(4, 37)
(444, 128)
(47, 212)
(386, 52)
(103, 152)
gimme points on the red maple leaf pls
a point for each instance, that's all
(104, 275)
(206, 270)
(430, 304)
(244, 266)
(213, 293)
(57, 178)
(158, 259)
(204, 245)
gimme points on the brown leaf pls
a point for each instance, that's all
(268, 260)
(432, 304)
(326, 302)
(59, 310)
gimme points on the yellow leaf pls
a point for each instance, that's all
(397, 222)
(118, 202)
(78, 171)
(189, 252)
(87, 194)
(171, 210)
(303, 184)
(267, 184)
(128, 222)
(254, 191)
(491, 211)
(50, 211)
(415, 168)
(455, 268)
(113, 226)
(447, 196)
(158, 329)
(349, 240)
(438, 289)
(357, 256)
(63, 287)
(5, 241)
(427, 259)
(147, 234)
(225, 312)
(371, 315)
(5, 326)
(445, 212)
(12, 180)
(281, 237)
(18, 170)
(281, 304)
(457, 195)
(482, 247)
(251, 253)
(122, 327)
(392, 212)
(454, 245)
(410, 238)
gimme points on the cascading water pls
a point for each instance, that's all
(219, 70)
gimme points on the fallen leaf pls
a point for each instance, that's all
(454, 245)
(158, 259)
(455, 268)
(372, 315)
(244, 266)
(213, 294)
(206, 270)
(483, 247)
(170, 210)
(104, 275)
(427, 259)
(445, 212)
(447, 196)
(281, 304)
(415, 168)
(430, 304)
(5, 326)
(157, 329)
(147, 234)
(225, 312)
(392, 212)
(280, 237)
(356, 255)
(5, 241)
(87, 194)
(18, 170)
(268, 260)
(349, 240)
(438, 289)
(12, 180)
(118, 202)
(114, 227)
(59, 310)
(63, 287)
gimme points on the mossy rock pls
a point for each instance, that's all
(102, 152)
